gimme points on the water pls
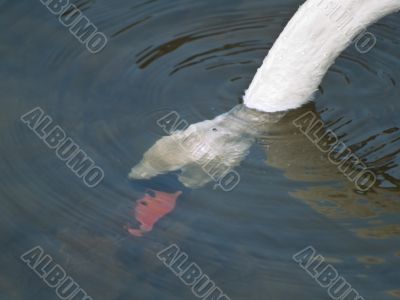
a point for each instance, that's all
(196, 58)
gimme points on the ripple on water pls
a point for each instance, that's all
(196, 58)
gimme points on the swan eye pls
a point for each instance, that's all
(215, 129)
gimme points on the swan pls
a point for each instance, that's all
(289, 76)
(307, 47)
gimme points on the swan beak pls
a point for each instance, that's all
(142, 171)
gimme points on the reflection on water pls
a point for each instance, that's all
(196, 58)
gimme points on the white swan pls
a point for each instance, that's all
(290, 74)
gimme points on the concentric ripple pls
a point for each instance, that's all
(196, 58)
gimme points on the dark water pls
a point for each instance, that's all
(195, 57)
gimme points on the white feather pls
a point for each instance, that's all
(308, 46)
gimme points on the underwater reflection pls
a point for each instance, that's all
(223, 143)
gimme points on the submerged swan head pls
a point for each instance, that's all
(206, 150)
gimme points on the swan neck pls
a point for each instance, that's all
(308, 46)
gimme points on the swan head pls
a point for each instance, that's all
(207, 150)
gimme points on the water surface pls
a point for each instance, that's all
(197, 58)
